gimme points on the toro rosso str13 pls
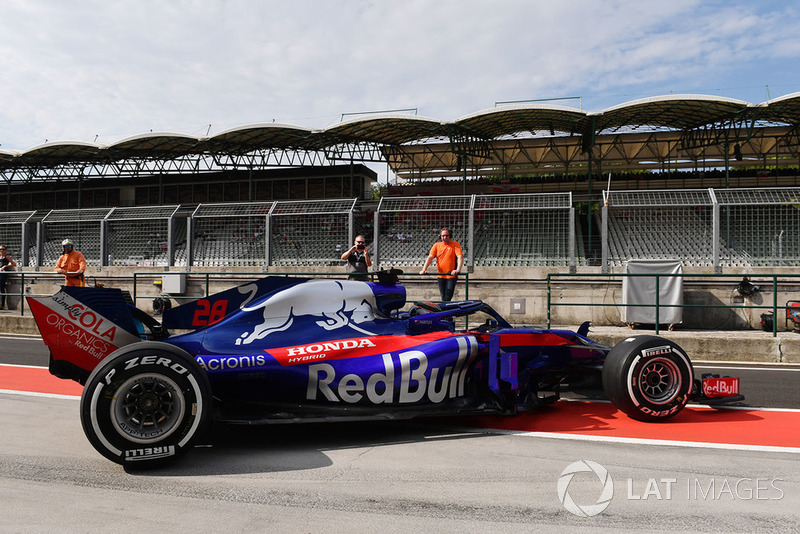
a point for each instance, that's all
(298, 349)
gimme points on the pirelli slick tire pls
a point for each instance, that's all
(146, 404)
(648, 377)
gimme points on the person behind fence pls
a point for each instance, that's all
(449, 260)
(72, 265)
(6, 264)
(358, 261)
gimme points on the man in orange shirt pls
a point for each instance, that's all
(449, 260)
(72, 265)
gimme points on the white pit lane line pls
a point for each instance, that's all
(748, 367)
(639, 441)
(35, 394)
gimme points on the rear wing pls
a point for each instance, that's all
(83, 325)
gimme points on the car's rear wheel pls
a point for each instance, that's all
(146, 404)
(648, 377)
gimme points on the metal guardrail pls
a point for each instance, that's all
(657, 304)
(14, 276)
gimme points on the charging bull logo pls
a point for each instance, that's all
(338, 304)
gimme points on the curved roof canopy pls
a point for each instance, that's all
(511, 120)
(61, 152)
(154, 145)
(387, 129)
(8, 155)
(669, 112)
(679, 112)
(251, 137)
(782, 109)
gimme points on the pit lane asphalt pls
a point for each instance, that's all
(393, 477)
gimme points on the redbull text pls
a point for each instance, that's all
(416, 380)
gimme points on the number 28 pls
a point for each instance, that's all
(207, 314)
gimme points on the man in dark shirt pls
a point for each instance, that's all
(357, 258)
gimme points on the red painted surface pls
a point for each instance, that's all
(36, 380)
(695, 424)
(702, 425)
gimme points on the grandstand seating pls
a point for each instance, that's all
(407, 243)
(503, 242)
(228, 242)
(759, 238)
(686, 237)
(756, 228)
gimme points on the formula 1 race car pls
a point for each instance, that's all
(283, 349)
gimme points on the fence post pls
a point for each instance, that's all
(775, 306)
(548, 300)
(268, 239)
(189, 242)
(658, 303)
(471, 232)
(376, 232)
(573, 262)
(604, 239)
(22, 294)
(39, 244)
(715, 226)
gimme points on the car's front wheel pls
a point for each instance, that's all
(648, 377)
(146, 404)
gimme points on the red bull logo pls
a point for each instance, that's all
(716, 388)
(337, 304)
(418, 381)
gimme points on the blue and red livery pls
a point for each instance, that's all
(284, 349)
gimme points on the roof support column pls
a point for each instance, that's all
(189, 242)
(589, 209)
(471, 233)
(587, 146)
(249, 183)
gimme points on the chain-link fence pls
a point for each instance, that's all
(493, 230)
(406, 227)
(760, 226)
(703, 227)
(14, 228)
(142, 236)
(83, 227)
(226, 235)
(305, 232)
(524, 230)
(311, 232)
(699, 227)
(658, 225)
